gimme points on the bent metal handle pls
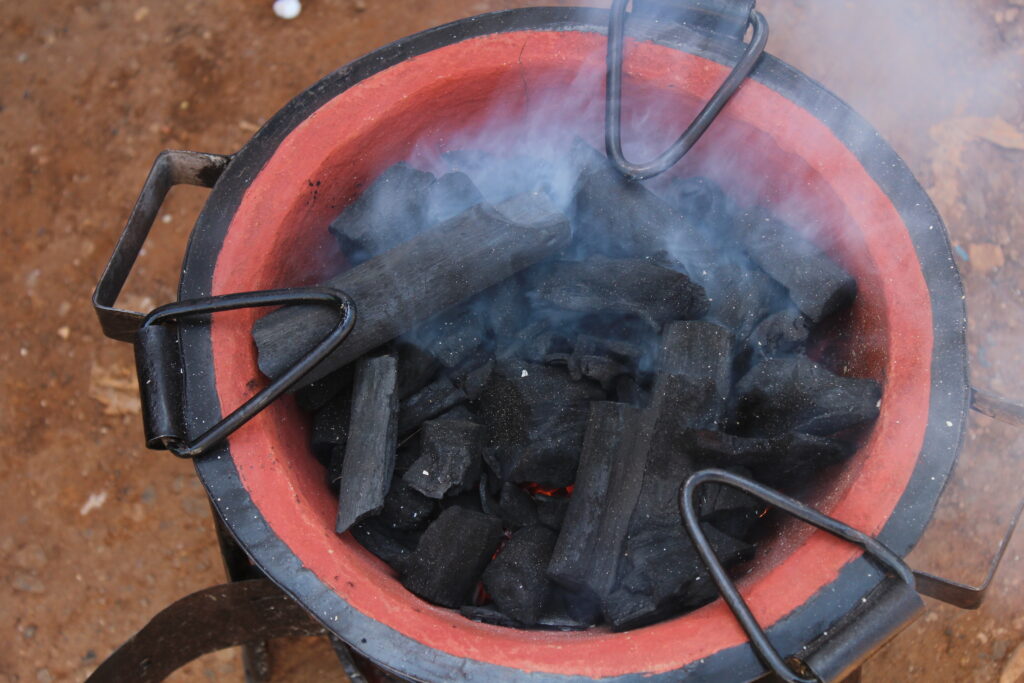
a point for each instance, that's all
(157, 351)
(171, 167)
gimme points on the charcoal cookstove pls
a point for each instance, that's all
(826, 603)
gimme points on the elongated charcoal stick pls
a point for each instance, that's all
(427, 274)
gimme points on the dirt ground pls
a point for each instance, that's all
(97, 534)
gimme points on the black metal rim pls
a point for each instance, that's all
(948, 400)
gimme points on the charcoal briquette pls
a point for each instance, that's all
(450, 458)
(451, 555)
(516, 579)
(405, 508)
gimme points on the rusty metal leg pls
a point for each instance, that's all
(255, 656)
(223, 616)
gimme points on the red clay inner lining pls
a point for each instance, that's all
(764, 148)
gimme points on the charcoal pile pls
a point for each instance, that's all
(535, 370)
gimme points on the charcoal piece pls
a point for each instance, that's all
(698, 357)
(517, 507)
(405, 508)
(506, 308)
(575, 553)
(391, 546)
(442, 395)
(741, 293)
(501, 177)
(416, 368)
(627, 390)
(602, 359)
(630, 287)
(415, 280)
(569, 610)
(728, 509)
(459, 412)
(388, 212)
(535, 343)
(452, 336)
(408, 453)
(622, 218)
(334, 467)
(488, 504)
(314, 396)
(702, 202)
(488, 615)
(777, 461)
(451, 555)
(536, 416)
(372, 441)
(449, 462)
(685, 367)
(330, 426)
(816, 283)
(470, 500)
(780, 395)
(782, 333)
(664, 575)
(516, 578)
(450, 195)
(551, 510)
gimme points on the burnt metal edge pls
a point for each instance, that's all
(948, 400)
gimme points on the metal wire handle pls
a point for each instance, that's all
(613, 97)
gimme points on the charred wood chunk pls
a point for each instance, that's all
(535, 417)
(393, 546)
(450, 458)
(452, 336)
(330, 426)
(780, 334)
(536, 343)
(417, 279)
(664, 576)
(451, 555)
(622, 218)
(516, 578)
(816, 283)
(388, 212)
(517, 507)
(551, 510)
(488, 615)
(316, 395)
(416, 368)
(405, 508)
(728, 509)
(741, 293)
(695, 374)
(777, 461)
(450, 195)
(372, 441)
(630, 287)
(703, 203)
(598, 500)
(506, 307)
(623, 353)
(443, 395)
(780, 395)
(501, 177)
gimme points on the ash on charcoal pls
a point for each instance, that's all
(372, 441)
(449, 461)
(451, 556)
(781, 395)
(625, 287)
(516, 578)
(816, 284)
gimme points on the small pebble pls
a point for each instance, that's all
(64, 332)
(287, 9)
